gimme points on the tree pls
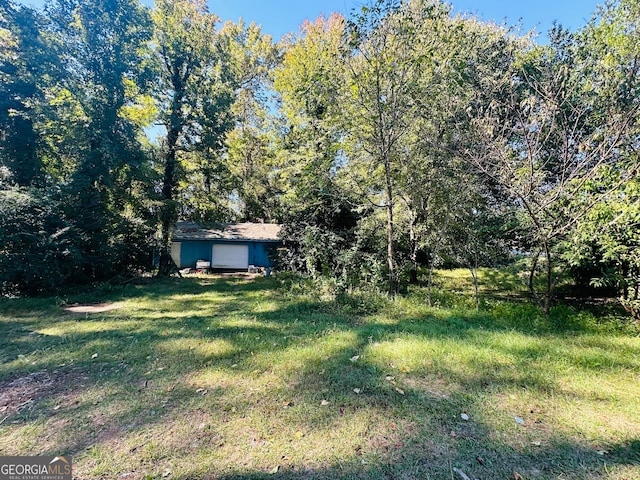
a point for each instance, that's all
(318, 211)
(612, 258)
(611, 54)
(552, 132)
(383, 74)
(37, 246)
(193, 96)
(250, 146)
(431, 174)
(70, 147)
(25, 61)
(250, 160)
(101, 47)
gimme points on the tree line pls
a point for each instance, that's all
(388, 142)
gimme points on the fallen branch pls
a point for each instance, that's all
(463, 475)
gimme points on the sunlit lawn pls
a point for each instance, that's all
(220, 378)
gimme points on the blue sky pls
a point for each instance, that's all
(279, 17)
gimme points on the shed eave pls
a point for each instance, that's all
(235, 240)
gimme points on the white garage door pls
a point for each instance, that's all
(230, 256)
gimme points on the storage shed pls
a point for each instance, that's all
(226, 246)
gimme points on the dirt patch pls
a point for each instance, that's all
(24, 392)
(91, 308)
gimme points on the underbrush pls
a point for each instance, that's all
(504, 303)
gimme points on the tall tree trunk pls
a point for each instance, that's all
(168, 218)
(532, 274)
(391, 261)
(413, 249)
(169, 210)
(432, 266)
(474, 273)
(546, 305)
(624, 284)
(475, 286)
(92, 215)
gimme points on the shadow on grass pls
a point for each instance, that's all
(415, 465)
(149, 363)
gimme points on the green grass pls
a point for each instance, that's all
(221, 378)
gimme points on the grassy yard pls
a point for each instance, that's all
(236, 378)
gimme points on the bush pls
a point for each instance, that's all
(42, 250)
(362, 302)
(37, 249)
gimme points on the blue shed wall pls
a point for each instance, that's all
(258, 254)
(193, 250)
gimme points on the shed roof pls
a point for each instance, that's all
(228, 231)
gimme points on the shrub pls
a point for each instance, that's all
(37, 250)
